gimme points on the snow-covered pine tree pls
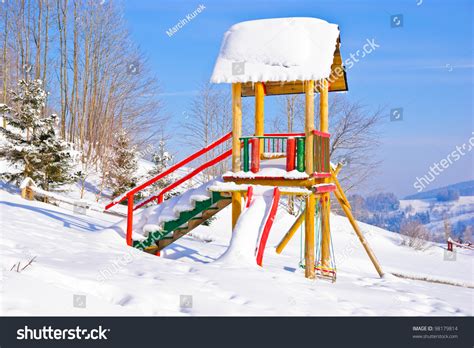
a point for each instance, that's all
(31, 142)
(161, 159)
(123, 165)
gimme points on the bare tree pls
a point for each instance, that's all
(209, 118)
(354, 132)
(99, 81)
(467, 234)
(447, 227)
(355, 135)
(5, 70)
(291, 116)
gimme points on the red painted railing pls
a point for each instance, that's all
(129, 196)
(291, 146)
(274, 145)
(268, 226)
(188, 176)
(171, 169)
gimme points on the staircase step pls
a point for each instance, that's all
(210, 206)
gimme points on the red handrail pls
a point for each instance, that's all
(284, 135)
(196, 171)
(274, 135)
(171, 169)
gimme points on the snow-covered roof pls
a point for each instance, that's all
(277, 49)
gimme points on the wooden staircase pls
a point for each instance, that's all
(184, 223)
(187, 220)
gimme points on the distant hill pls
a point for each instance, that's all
(465, 188)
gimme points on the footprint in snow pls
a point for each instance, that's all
(239, 300)
(124, 300)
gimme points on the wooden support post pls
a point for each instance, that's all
(30, 194)
(309, 236)
(325, 205)
(290, 154)
(338, 168)
(259, 111)
(325, 231)
(291, 232)
(27, 193)
(339, 187)
(255, 165)
(246, 159)
(300, 154)
(236, 125)
(309, 125)
(236, 207)
(323, 106)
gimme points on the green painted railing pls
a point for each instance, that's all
(278, 145)
(273, 144)
(300, 154)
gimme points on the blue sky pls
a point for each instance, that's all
(424, 67)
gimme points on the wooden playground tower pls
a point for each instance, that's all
(306, 153)
(295, 164)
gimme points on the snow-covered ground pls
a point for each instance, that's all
(79, 255)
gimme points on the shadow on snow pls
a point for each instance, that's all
(69, 221)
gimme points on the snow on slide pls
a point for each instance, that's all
(250, 228)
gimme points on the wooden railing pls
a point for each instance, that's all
(130, 195)
(286, 145)
(321, 151)
(274, 145)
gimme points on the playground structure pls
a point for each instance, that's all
(283, 164)
(459, 244)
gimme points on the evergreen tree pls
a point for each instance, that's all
(161, 159)
(123, 164)
(31, 142)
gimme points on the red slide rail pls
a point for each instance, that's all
(129, 196)
(249, 196)
(268, 225)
